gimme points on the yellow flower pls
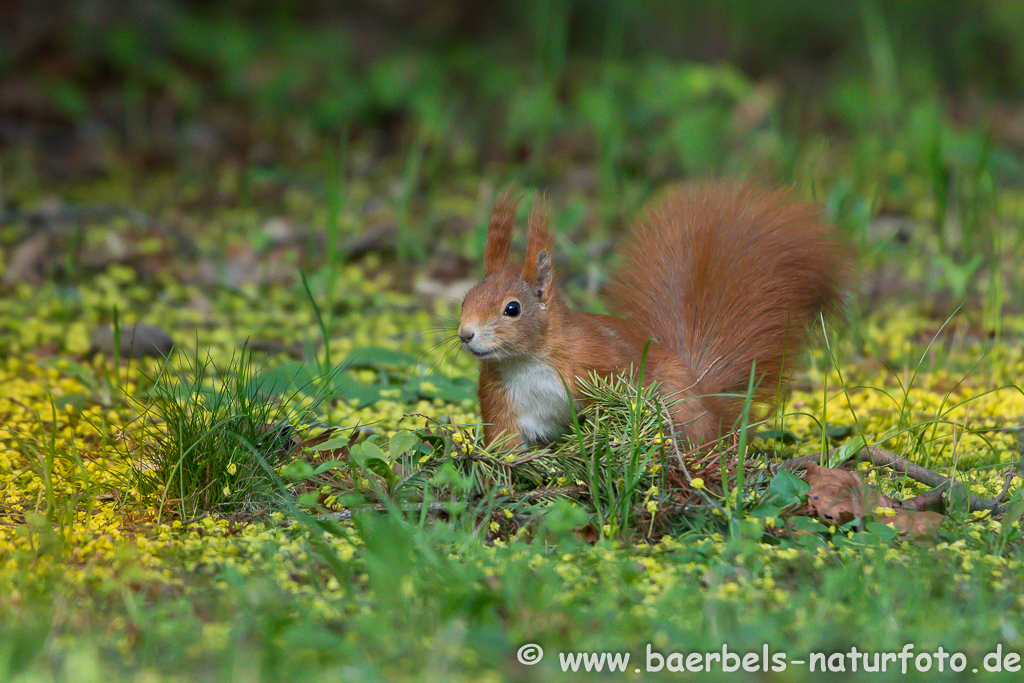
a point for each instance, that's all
(697, 483)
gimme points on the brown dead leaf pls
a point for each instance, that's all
(587, 533)
(916, 523)
(838, 496)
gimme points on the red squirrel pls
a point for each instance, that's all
(720, 277)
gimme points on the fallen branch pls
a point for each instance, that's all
(942, 485)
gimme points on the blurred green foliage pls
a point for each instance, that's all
(874, 106)
(371, 62)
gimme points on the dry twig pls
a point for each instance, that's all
(942, 485)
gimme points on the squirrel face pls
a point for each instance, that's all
(506, 316)
(503, 318)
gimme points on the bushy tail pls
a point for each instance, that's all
(724, 275)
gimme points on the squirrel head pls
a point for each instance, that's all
(506, 316)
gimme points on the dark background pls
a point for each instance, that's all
(140, 73)
(404, 117)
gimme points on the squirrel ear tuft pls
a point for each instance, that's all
(543, 277)
(499, 231)
(537, 270)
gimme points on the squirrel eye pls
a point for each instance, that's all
(511, 309)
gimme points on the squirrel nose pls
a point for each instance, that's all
(466, 334)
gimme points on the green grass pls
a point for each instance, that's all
(419, 557)
(210, 439)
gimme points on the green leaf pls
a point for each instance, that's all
(782, 435)
(296, 376)
(345, 387)
(811, 541)
(788, 489)
(766, 510)
(438, 386)
(808, 524)
(309, 498)
(284, 379)
(843, 541)
(563, 516)
(297, 469)
(437, 444)
(852, 525)
(847, 451)
(834, 432)
(402, 442)
(365, 450)
(375, 357)
(329, 465)
(381, 469)
(331, 444)
(885, 532)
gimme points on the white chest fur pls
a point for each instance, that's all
(539, 400)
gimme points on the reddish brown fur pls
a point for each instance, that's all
(721, 276)
(499, 231)
(539, 239)
(494, 403)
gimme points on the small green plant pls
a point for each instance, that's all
(634, 471)
(213, 437)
